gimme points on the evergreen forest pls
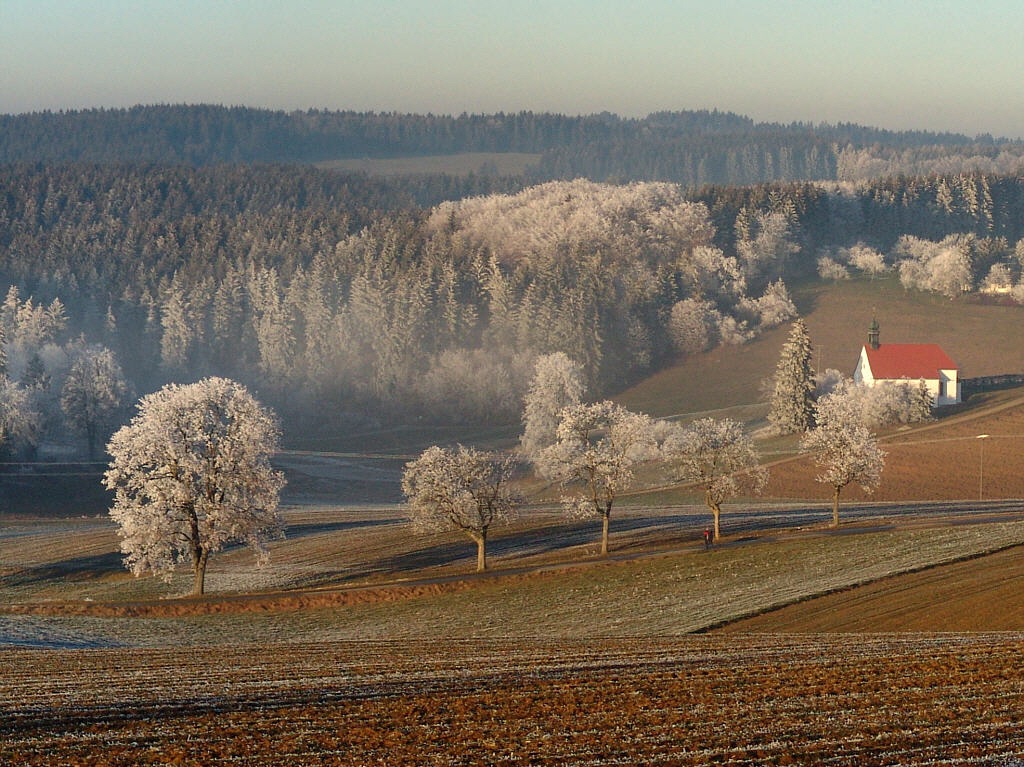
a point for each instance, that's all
(199, 240)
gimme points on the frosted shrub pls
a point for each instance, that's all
(829, 269)
(940, 267)
(693, 325)
(998, 280)
(775, 306)
(862, 257)
(733, 331)
(881, 405)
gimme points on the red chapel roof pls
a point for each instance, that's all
(912, 361)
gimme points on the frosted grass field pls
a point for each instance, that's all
(671, 591)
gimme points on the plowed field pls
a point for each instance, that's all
(880, 700)
(976, 595)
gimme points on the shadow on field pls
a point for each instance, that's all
(318, 528)
(625, 536)
(432, 556)
(76, 569)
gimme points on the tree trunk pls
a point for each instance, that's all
(835, 508)
(604, 532)
(716, 513)
(481, 552)
(200, 553)
(199, 573)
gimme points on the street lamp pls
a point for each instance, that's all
(981, 465)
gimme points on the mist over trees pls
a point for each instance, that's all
(344, 299)
(381, 313)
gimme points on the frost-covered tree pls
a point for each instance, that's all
(19, 420)
(719, 457)
(774, 307)
(830, 269)
(884, 404)
(943, 267)
(865, 258)
(693, 325)
(843, 448)
(734, 331)
(460, 489)
(791, 403)
(557, 383)
(596, 449)
(93, 394)
(191, 473)
(180, 330)
(764, 244)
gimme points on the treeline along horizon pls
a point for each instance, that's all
(692, 148)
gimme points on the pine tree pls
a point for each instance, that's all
(791, 408)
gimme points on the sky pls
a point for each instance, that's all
(942, 65)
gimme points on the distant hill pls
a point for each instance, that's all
(692, 148)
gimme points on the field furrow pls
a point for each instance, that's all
(754, 700)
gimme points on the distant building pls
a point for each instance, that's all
(897, 363)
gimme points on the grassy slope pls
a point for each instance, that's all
(983, 339)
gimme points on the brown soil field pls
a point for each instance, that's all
(941, 461)
(879, 700)
(980, 594)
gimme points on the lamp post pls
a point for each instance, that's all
(981, 465)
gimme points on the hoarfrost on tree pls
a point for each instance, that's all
(191, 473)
(460, 489)
(557, 383)
(19, 420)
(830, 269)
(596, 449)
(93, 394)
(717, 456)
(791, 402)
(843, 448)
(865, 258)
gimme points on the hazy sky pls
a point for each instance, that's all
(939, 65)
